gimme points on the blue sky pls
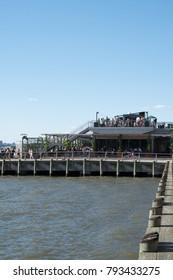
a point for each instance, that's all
(63, 60)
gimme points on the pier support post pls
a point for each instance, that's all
(154, 221)
(153, 169)
(118, 163)
(84, 166)
(35, 166)
(158, 201)
(160, 193)
(134, 169)
(2, 167)
(50, 167)
(157, 210)
(101, 167)
(67, 167)
(18, 167)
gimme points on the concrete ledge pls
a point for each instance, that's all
(161, 219)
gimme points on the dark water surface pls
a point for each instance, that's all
(73, 218)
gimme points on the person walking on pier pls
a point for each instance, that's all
(18, 153)
(31, 154)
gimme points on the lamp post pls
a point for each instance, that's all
(97, 116)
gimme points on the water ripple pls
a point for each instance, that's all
(73, 218)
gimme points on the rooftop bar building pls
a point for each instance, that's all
(127, 133)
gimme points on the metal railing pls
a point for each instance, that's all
(82, 127)
(59, 155)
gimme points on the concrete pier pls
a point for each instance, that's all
(81, 167)
(161, 221)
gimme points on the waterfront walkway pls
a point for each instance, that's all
(159, 245)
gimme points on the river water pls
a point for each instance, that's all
(73, 218)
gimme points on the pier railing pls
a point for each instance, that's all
(90, 155)
(101, 155)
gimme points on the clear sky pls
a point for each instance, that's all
(61, 61)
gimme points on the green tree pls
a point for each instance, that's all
(94, 144)
(46, 144)
(67, 145)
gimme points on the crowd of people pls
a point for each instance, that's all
(127, 121)
(7, 153)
